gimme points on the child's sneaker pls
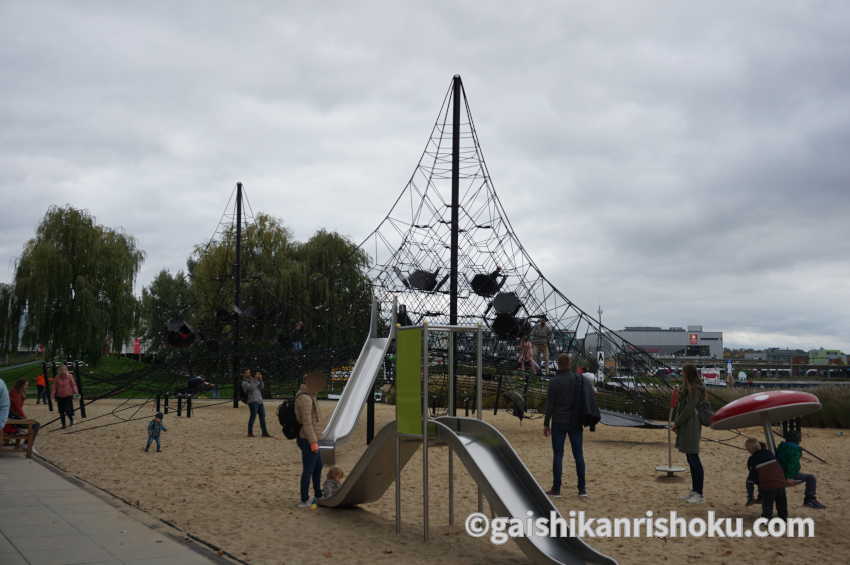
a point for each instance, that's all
(687, 496)
(814, 503)
(553, 492)
(304, 504)
(751, 501)
(695, 498)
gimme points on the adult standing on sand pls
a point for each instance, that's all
(566, 405)
(688, 428)
(541, 334)
(252, 386)
(63, 390)
(307, 414)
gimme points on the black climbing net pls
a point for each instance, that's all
(499, 284)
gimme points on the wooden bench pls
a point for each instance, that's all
(13, 441)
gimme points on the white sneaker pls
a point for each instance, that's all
(696, 498)
(307, 504)
(687, 496)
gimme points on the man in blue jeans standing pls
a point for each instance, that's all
(564, 410)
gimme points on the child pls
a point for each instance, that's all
(526, 355)
(766, 472)
(333, 482)
(751, 485)
(41, 389)
(788, 453)
(154, 427)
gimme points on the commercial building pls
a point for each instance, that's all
(692, 341)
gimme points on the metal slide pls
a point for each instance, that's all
(357, 389)
(374, 472)
(511, 489)
(491, 461)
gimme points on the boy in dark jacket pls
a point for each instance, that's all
(788, 453)
(766, 472)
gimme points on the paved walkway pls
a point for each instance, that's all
(46, 519)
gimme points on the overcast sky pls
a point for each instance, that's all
(677, 163)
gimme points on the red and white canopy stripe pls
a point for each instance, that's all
(772, 406)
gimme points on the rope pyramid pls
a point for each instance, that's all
(409, 255)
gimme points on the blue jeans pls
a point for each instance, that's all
(311, 464)
(697, 473)
(152, 439)
(811, 485)
(257, 408)
(559, 437)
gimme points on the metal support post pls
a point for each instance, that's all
(52, 383)
(370, 415)
(79, 378)
(451, 410)
(478, 393)
(425, 419)
(397, 479)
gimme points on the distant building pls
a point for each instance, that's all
(755, 356)
(786, 356)
(670, 342)
(827, 357)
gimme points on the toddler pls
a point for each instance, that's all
(154, 427)
(333, 482)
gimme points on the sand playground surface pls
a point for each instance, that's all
(239, 492)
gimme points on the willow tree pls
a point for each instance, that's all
(9, 320)
(339, 290)
(75, 279)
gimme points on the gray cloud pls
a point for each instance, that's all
(677, 163)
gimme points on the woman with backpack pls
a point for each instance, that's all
(307, 414)
(688, 428)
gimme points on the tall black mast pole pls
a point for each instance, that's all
(237, 300)
(456, 88)
(456, 91)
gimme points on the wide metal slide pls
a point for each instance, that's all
(504, 480)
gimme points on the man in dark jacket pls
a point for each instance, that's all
(569, 406)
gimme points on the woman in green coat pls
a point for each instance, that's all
(688, 429)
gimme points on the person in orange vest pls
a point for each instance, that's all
(41, 389)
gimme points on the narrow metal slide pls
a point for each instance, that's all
(357, 389)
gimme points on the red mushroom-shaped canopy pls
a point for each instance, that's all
(764, 407)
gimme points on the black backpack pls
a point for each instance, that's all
(286, 416)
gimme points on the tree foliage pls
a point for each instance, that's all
(75, 279)
(9, 316)
(166, 298)
(320, 282)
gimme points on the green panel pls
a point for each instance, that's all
(409, 381)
